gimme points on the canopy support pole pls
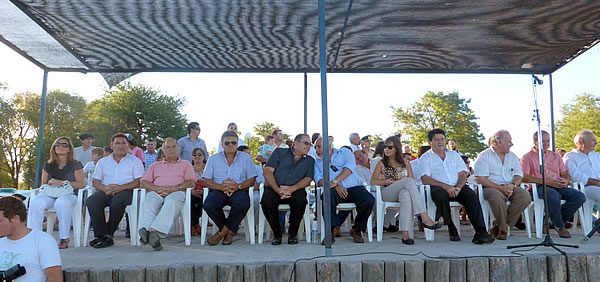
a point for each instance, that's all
(305, 105)
(552, 114)
(38, 159)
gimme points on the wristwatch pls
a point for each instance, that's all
(181, 187)
(335, 181)
(240, 187)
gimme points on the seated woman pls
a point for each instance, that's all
(199, 163)
(398, 185)
(60, 167)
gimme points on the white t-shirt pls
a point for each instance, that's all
(83, 156)
(36, 252)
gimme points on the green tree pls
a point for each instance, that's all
(439, 110)
(136, 109)
(583, 113)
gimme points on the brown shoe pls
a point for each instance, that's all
(495, 231)
(568, 225)
(501, 235)
(356, 236)
(228, 238)
(563, 233)
(214, 239)
(336, 232)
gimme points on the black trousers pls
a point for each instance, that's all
(465, 197)
(196, 210)
(117, 203)
(239, 202)
(270, 202)
(363, 200)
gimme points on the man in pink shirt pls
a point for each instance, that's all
(557, 179)
(166, 180)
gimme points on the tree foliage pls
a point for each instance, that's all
(439, 110)
(581, 114)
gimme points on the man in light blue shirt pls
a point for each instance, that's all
(228, 174)
(346, 187)
(190, 142)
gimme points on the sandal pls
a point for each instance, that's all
(64, 243)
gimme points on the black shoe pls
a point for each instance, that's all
(95, 241)
(432, 227)
(276, 240)
(408, 241)
(154, 241)
(106, 241)
(453, 234)
(292, 240)
(521, 226)
(391, 228)
(144, 234)
(482, 237)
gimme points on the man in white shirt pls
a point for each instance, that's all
(114, 179)
(499, 171)
(231, 127)
(446, 174)
(83, 152)
(354, 142)
(32, 249)
(584, 164)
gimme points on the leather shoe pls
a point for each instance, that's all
(293, 240)
(435, 226)
(144, 236)
(336, 232)
(95, 241)
(521, 226)
(276, 240)
(495, 231)
(501, 235)
(106, 241)
(482, 237)
(228, 239)
(453, 234)
(391, 228)
(154, 241)
(214, 239)
(356, 236)
(408, 241)
(563, 233)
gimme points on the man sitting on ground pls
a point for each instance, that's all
(165, 182)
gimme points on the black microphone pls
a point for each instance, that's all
(537, 80)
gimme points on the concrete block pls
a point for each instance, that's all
(458, 270)
(518, 269)
(101, 274)
(373, 270)
(205, 272)
(76, 274)
(328, 270)
(255, 272)
(557, 268)
(132, 273)
(499, 269)
(229, 272)
(394, 270)
(414, 270)
(181, 272)
(593, 267)
(159, 273)
(306, 271)
(350, 271)
(536, 267)
(280, 271)
(577, 268)
(437, 270)
(478, 270)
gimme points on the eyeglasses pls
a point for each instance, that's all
(388, 147)
(198, 155)
(197, 128)
(60, 144)
(227, 143)
(304, 142)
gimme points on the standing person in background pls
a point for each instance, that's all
(407, 150)
(150, 153)
(135, 150)
(279, 143)
(232, 127)
(83, 152)
(452, 145)
(312, 151)
(365, 145)
(190, 142)
(354, 142)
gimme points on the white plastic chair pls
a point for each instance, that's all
(538, 209)
(343, 207)
(248, 220)
(488, 216)
(588, 208)
(284, 207)
(382, 206)
(432, 209)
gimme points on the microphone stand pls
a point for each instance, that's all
(548, 242)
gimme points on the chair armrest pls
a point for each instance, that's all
(378, 193)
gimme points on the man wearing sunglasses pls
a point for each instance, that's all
(190, 142)
(287, 173)
(228, 174)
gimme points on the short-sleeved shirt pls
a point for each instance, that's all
(445, 171)
(340, 159)
(165, 173)
(125, 171)
(186, 146)
(36, 251)
(553, 164)
(354, 147)
(287, 171)
(264, 149)
(259, 175)
(83, 156)
(241, 169)
(489, 164)
(66, 173)
(582, 167)
(138, 153)
(149, 159)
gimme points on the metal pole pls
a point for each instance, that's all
(552, 114)
(38, 161)
(326, 146)
(305, 105)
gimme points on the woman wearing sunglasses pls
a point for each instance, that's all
(199, 163)
(395, 176)
(61, 167)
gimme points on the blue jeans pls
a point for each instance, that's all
(363, 200)
(559, 214)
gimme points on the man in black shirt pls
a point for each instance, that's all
(287, 173)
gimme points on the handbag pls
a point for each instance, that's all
(55, 192)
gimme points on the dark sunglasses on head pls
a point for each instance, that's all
(61, 144)
(198, 155)
(227, 143)
(388, 147)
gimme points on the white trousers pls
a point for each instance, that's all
(593, 192)
(159, 212)
(64, 209)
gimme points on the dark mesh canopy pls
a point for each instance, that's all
(394, 36)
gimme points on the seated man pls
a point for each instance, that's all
(584, 164)
(114, 179)
(346, 187)
(557, 179)
(228, 174)
(287, 173)
(499, 171)
(446, 173)
(165, 182)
